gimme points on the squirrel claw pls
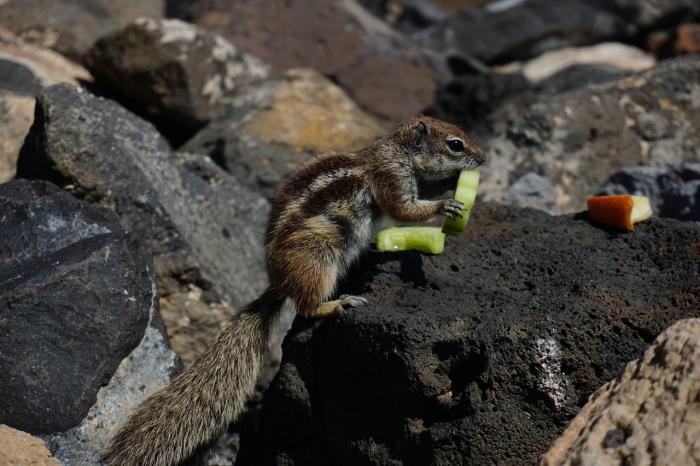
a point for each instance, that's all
(452, 208)
(349, 301)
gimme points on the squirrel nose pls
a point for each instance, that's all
(477, 154)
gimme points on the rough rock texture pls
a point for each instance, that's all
(379, 68)
(262, 136)
(18, 448)
(24, 71)
(577, 139)
(514, 30)
(71, 26)
(200, 224)
(204, 229)
(673, 190)
(649, 415)
(75, 293)
(148, 368)
(480, 355)
(174, 70)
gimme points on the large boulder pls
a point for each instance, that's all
(173, 70)
(201, 226)
(482, 354)
(648, 415)
(575, 140)
(263, 135)
(76, 294)
(377, 67)
(70, 27)
(204, 229)
(673, 190)
(24, 71)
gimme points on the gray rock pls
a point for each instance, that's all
(482, 354)
(384, 72)
(148, 368)
(75, 293)
(71, 26)
(509, 30)
(674, 191)
(24, 71)
(501, 32)
(577, 139)
(647, 415)
(200, 224)
(532, 190)
(263, 135)
(173, 70)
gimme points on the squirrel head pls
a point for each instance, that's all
(437, 147)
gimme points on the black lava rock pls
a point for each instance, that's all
(201, 225)
(75, 294)
(480, 355)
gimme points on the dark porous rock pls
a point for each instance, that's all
(173, 70)
(673, 190)
(482, 354)
(75, 294)
(200, 224)
(263, 135)
(379, 68)
(577, 139)
(70, 27)
(24, 71)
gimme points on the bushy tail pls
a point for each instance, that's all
(204, 399)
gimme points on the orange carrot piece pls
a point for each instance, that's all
(615, 211)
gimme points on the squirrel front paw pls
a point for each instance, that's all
(452, 208)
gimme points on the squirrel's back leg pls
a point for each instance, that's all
(309, 286)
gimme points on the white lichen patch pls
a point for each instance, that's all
(552, 382)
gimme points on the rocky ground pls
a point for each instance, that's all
(141, 144)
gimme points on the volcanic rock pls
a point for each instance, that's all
(24, 71)
(380, 69)
(501, 32)
(262, 136)
(75, 294)
(174, 70)
(577, 139)
(673, 190)
(648, 415)
(70, 27)
(482, 354)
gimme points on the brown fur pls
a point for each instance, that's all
(319, 223)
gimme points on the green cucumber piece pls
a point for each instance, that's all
(467, 185)
(424, 239)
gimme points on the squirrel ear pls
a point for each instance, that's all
(418, 131)
(422, 128)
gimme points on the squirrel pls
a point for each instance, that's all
(320, 222)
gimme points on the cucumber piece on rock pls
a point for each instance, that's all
(424, 239)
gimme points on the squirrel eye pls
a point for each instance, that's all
(455, 145)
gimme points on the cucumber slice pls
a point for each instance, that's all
(424, 239)
(465, 192)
